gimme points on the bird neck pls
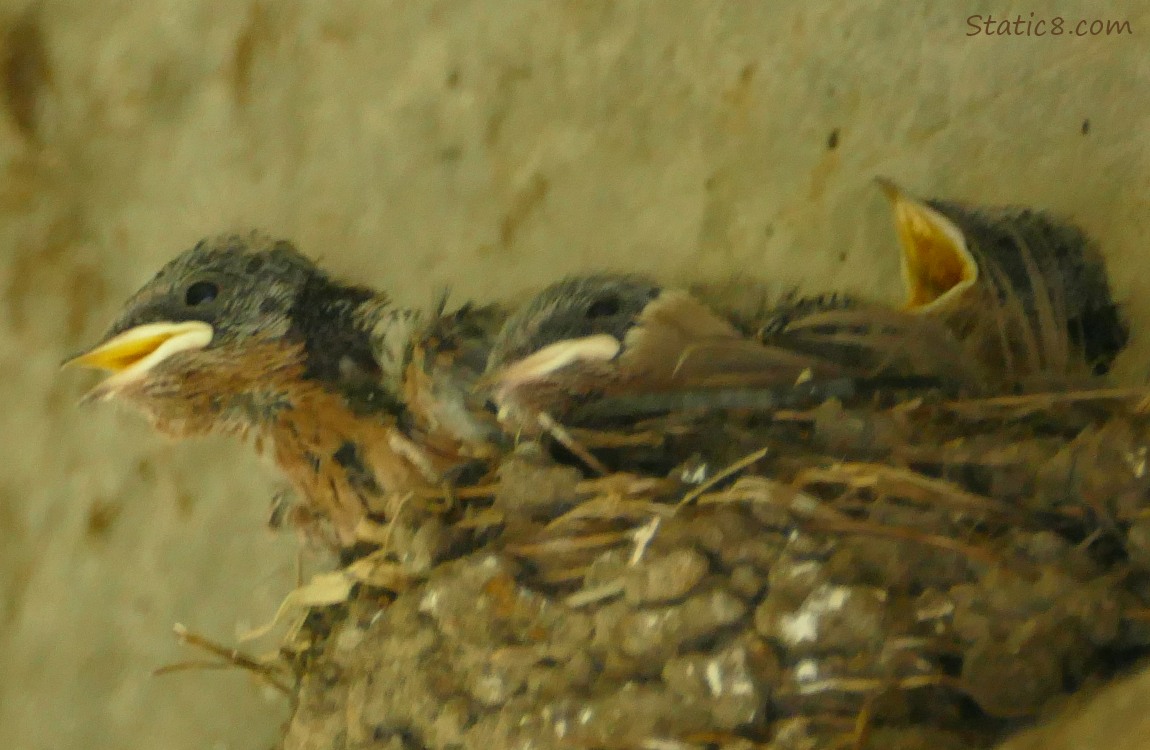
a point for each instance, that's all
(354, 341)
(391, 331)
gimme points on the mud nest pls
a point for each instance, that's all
(900, 573)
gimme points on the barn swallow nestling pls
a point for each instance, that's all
(611, 335)
(354, 398)
(876, 343)
(1028, 291)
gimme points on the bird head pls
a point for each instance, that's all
(221, 325)
(578, 321)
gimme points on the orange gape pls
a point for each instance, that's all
(934, 266)
(1027, 291)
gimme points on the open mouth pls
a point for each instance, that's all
(937, 266)
(131, 354)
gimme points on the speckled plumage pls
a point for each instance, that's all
(314, 371)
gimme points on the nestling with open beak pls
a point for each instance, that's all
(354, 398)
(1027, 292)
(605, 335)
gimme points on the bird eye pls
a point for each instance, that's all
(201, 293)
(604, 307)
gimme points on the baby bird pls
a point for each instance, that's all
(608, 335)
(354, 398)
(886, 347)
(1027, 292)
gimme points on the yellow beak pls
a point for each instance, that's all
(131, 354)
(937, 265)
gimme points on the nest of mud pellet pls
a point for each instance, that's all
(911, 574)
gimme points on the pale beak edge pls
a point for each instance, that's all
(601, 347)
(131, 354)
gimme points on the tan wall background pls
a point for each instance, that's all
(489, 145)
